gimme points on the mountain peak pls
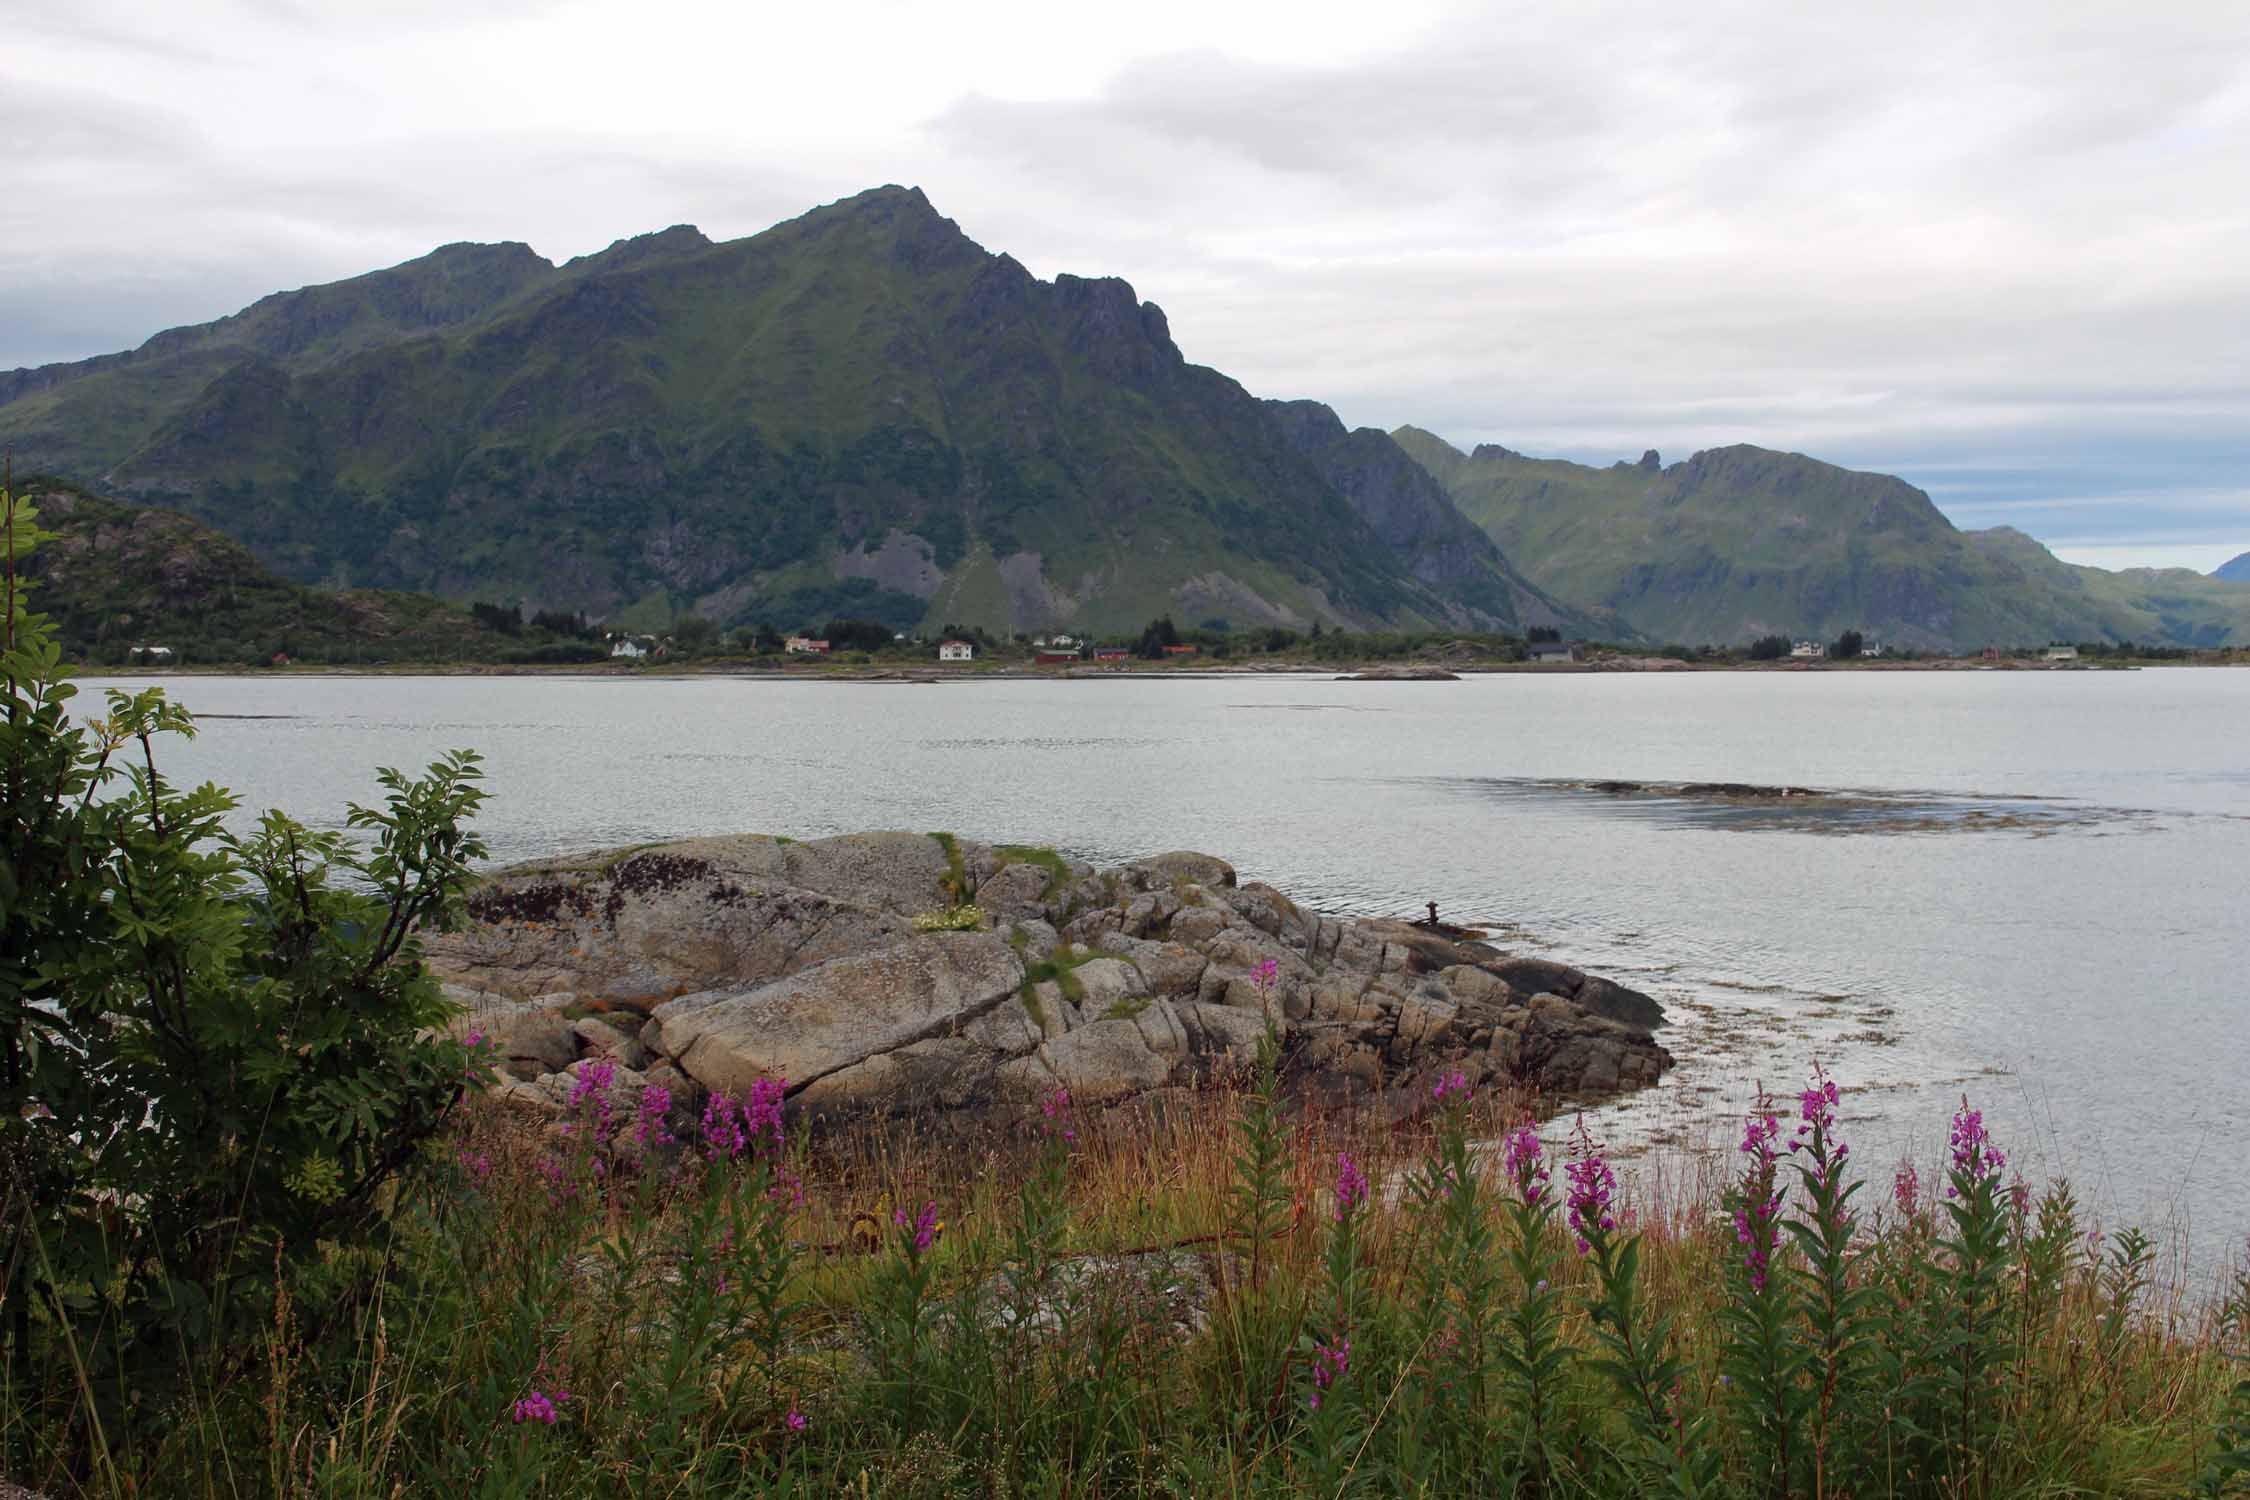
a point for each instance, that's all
(2234, 571)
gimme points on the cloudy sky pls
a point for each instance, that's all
(2002, 249)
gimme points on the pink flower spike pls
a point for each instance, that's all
(1351, 1185)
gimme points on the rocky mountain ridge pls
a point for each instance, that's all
(858, 411)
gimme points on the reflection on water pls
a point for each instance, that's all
(2087, 989)
(1745, 808)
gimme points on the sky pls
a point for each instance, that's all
(2002, 250)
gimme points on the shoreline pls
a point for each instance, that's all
(1366, 671)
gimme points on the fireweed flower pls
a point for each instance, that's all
(723, 1135)
(1906, 1189)
(1330, 1362)
(761, 1117)
(795, 1421)
(1525, 1162)
(1455, 1083)
(1974, 1155)
(656, 1105)
(1591, 1188)
(1351, 1185)
(540, 1406)
(594, 1081)
(923, 1225)
(1056, 1107)
(1760, 1202)
(477, 1165)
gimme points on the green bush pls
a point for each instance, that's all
(216, 1051)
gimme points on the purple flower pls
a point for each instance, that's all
(656, 1105)
(1591, 1188)
(1330, 1362)
(478, 1068)
(540, 1406)
(1974, 1155)
(477, 1165)
(923, 1226)
(1264, 974)
(795, 1421)
(1056, 1107)
(723, 1135)
(1525, 1162)
(762, 1115)
(1759, 1202)
(1351, 1185)
(594, 1080)
(1906, 1189)
(1455, 1083)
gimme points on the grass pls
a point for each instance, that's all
(514, 1266)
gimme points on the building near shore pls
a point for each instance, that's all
(804, 645)
(1553, 651)
(956, 651)
(1808, 650)
(2062, 653)
(627, 648)
(155, 656)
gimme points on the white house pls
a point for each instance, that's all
(956, 651)
(1548, 651)
(1062, 642)
(1808, 649)
(801, 645)
(2062, 653)
(1871, 648)
(628, 648)
(154, 655)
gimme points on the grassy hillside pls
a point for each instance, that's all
(116, 576)
(861, 394)
(1741, 542)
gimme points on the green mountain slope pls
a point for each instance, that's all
(857, 409)
(2178, 606)
(1741, 542)
(117, 576)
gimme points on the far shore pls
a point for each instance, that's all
(1397, 670)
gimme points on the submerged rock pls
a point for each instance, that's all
(715, 962)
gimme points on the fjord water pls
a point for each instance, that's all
(2041, 902)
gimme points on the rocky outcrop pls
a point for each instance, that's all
(707, 964)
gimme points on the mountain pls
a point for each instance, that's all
(116, 576)
(2236, 570)
(1741, 542)
(1411, 514)
(858, 411)
(2173, 606)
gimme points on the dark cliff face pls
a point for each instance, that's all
(737, 428)
(1417, 520)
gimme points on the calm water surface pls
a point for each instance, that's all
(2037, 898)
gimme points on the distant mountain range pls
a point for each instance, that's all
(2235, 570)
(862, 412)
(1741, 542)
(859, 411)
